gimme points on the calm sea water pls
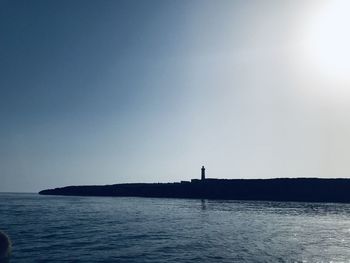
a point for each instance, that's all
(102, 229)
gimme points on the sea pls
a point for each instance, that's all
(131, 229)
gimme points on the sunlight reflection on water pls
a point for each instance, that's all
(102, 229)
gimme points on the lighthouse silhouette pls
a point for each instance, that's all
(203, 173)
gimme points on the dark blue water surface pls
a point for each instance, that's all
(103, 229)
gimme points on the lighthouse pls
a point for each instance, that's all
(203, 173)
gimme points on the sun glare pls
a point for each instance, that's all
(327, 40)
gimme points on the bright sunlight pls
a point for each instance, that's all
(327, 40)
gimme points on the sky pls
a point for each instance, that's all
(104, 92)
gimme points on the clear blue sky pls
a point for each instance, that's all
(103, 92)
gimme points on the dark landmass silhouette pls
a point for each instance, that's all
(278, 189)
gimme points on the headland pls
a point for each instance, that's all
(278, 189)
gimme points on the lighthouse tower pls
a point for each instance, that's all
(203, 173)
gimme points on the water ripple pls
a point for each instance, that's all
(102, 229)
